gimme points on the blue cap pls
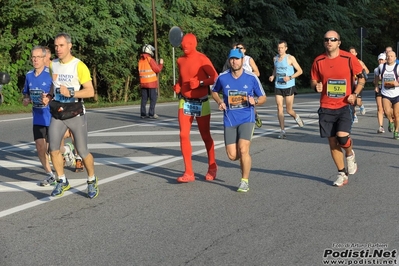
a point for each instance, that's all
(236, 53)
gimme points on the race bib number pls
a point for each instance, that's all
(36, 97)
(192, 108)
(238, 99)
(61, 98)
(280, 78)
(336, 88)
(389, 82)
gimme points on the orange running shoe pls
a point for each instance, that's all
(211, 175)
(186, 178)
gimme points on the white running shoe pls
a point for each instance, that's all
(50, 180)
(299, 121)
(352, 165)
(342, 179)
(282, 135)
(69, 156)
(362, 110)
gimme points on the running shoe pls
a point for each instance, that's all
(79, 167)
(299, 121)
(342, 179)
(381, 130)
(362, 110)
(243, 186)
(155, 116)
(50, 180)
(69, 156)
(258, 121)
(355, 120)
(282, 135)
(60, 188)
(352, 165)
(186, 178)
(396, 135)
(92, 188)
(391, 127)
(211, 175)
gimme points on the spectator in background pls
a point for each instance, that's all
(148, 70)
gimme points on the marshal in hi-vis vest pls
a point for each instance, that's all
(147, 75)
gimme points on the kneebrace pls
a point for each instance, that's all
(345, 142)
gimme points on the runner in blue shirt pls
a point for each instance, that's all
(241, 91)
(37, 82)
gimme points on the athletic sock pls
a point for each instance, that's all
(91, 178)
(343, 171)
(62, 178)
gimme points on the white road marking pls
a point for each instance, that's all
(34, 185)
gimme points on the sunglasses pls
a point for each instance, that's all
(240, 47)
(332, 39)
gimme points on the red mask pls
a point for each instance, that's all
(189, 44)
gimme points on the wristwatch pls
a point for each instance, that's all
(72, 93)
(256, 101)
(201, 83)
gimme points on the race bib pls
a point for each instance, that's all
(280, 78)
(238, 99)
(336, 88)
(61, 98)
(192, 108)
(389, 82)
(36, 97)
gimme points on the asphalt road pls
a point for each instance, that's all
(292, 214)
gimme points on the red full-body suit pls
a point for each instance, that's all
(196, 73)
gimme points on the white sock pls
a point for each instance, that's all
(91, 178)
(62, 178)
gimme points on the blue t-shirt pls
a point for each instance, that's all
(236, 93)
(35, 87)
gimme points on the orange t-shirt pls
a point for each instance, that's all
(337, 76)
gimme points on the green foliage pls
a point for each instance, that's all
(108, 35)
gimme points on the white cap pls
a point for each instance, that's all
(382, 56)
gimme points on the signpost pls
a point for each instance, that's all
(362, 32)
(175, 38)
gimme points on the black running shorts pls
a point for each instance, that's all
(333, 120)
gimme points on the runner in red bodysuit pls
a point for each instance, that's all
(196, 73)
